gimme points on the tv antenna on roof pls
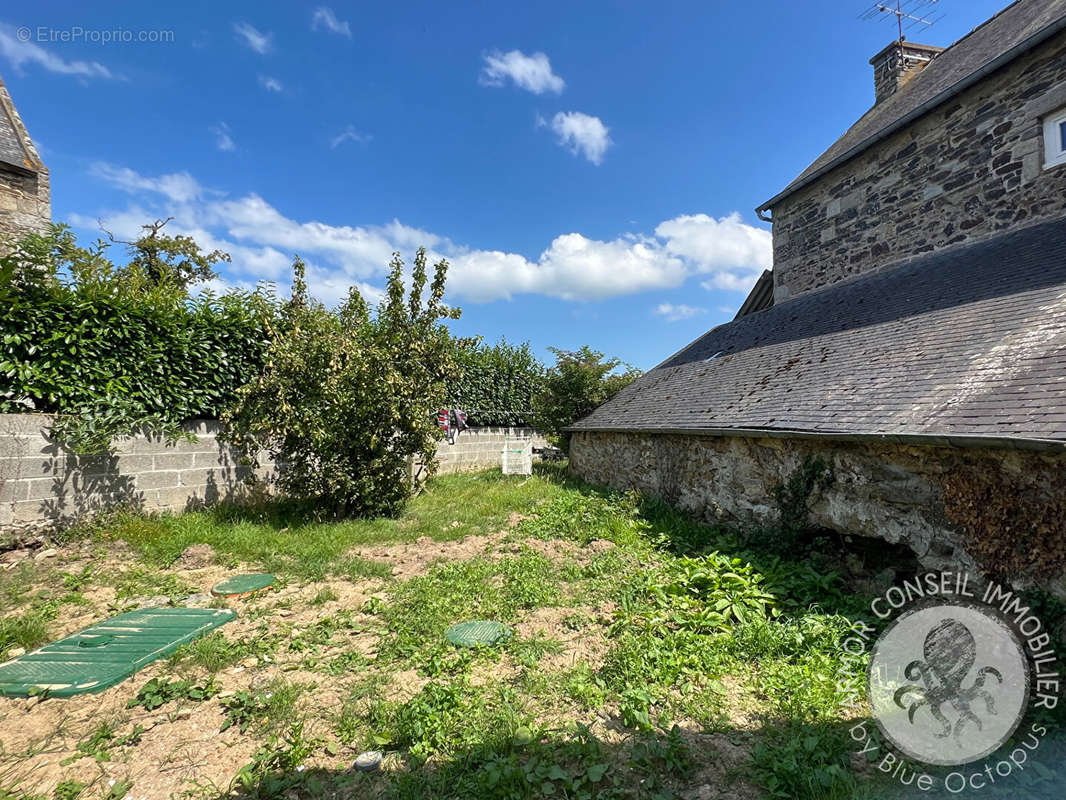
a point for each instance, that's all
(908, 13)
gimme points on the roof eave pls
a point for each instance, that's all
(957, 88)
(925, 439)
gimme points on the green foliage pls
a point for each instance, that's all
(102, 741)
(279, 539)
(170, 260)
(276, 768)
(806, 764)
(119, 790)
(793, 499)
(114, 350)
(346, 397)
(496, 384)
(26, 631)
(68, 790)
(158, 692)
(585, 517)
(705, 594)
(580, 381)
(456, 591)
(266, 709)
(566, 764)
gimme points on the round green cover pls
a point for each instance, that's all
(243, 584)
(471, 634)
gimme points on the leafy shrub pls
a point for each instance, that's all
(707, 594)
(580, 381)
(346, 397)
(115, 349)
(496, 384)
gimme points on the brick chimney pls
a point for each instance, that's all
(898, 63)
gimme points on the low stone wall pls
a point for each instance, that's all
(893, 492)
(42, 482)
(480, 448)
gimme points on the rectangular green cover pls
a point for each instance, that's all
(106, 653)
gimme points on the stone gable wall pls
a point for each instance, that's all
(969, 170)
(25, 203)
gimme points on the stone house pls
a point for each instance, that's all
(911, 334)
(25, 199)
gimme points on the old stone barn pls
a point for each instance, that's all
(914, 341)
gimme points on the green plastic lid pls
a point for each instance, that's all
(471, 634)
(243, 584)
(106, 653)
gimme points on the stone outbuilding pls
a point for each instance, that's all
(25, 198)
(911, 335)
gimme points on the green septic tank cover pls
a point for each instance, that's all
(243, 584)
(106, 653)
(471, 634)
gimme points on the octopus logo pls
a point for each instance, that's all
(948, 683)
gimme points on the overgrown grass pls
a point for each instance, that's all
(696, 627)
(286, 541)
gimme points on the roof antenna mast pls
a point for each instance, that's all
(908, 14)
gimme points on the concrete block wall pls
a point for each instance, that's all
(42, 482)
(480, 448)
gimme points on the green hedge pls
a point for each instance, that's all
(64, 352)
(82, 337)
(497, 383)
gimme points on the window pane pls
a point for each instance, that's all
(1062, 136)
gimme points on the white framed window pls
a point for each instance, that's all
(1055, 139)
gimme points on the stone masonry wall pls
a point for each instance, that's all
(25, 204)
(480, 448)
(892, 492)
(970, 169)
(42, 482)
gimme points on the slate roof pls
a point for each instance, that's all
(1007, 35)
(961, 343)
(15, 147)
(760, 297)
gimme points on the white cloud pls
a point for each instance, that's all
(324, 19)
(733, 253)
(675, 313)
(573, 267)
(223, 138)
(270, 84)
(254, 38)
(349, 134)
(21, 53)
(532, 73)
(181, 187)
(262, 239)
(581, 134)
(738, 281)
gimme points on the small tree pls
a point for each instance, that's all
(347, 396)
(580, 381)
(169, 260)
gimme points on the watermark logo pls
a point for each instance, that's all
(954, 671)
(948, 684)
(44, 34)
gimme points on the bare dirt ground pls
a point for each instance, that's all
(179, 750)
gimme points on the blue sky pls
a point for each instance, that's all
(589, 169)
